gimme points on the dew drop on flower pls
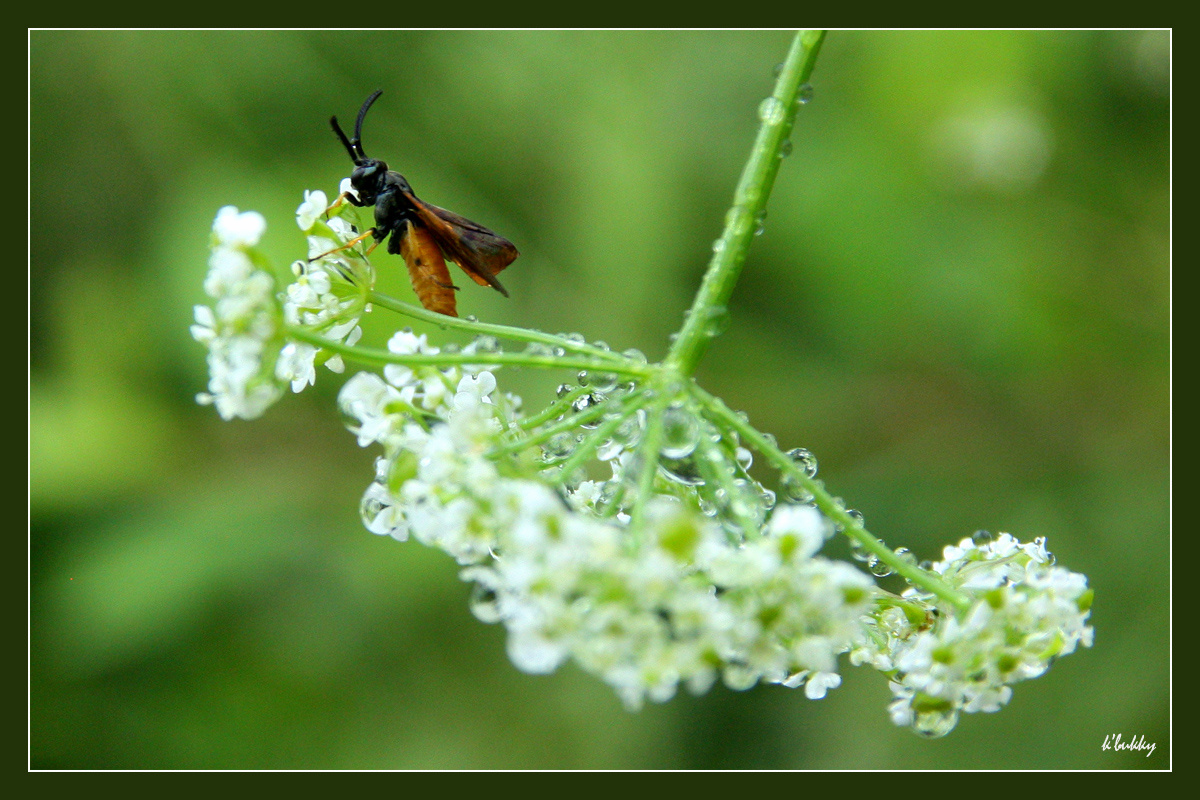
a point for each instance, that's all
(680, 433)
(485, 605)
(878, 568)
(805, 460)
(563, 390)
(935, 724)
(370, 508)
(739, 677)
(771, 111)
(982, 537)
(471, 318)
(583, 377)
(744, 458)
(905, 555)
(855, 516)
(486, 344)
(635, 355)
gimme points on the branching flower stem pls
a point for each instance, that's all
(829, 506)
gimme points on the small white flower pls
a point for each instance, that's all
(311, 209)
(236, 230)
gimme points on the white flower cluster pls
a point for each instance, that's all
(1025, 613)
(328, 295)
(241, 329)
(250, 361)
(672, 602)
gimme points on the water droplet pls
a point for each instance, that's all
(609, 449)
(935, 724)
(604, 382)
(878, 568)
(718, 245)
(370, 508)
(486, 344)
(860, 553)
(716, 320)
(905, 555)
(560, 445)
(680, 432)
(795, 491)
(805, 460)
(471, 318)
(785, 149)
(681, 471)
(575, 338)
(771, 111)
(926, 565)
(805, 94)
(538, 349)
(856, 516)
(563, 390)
(582, 377)
(778, 69)
(635, 355)
(485, 605)
(739, 677)
(760, 220)
(744, 457)
(583, 403)
(768, 498)
(450, 347)
(982, 538)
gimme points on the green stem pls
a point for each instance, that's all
(545, 434)
(749, 201)
(649, 448)
(555, 409)
(370, 355)
(488, 329)
(829, 506)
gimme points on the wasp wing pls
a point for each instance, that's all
(427, 269)
(480, 252)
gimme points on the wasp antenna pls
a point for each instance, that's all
(341, 135)
(362, 113)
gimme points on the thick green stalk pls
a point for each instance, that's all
(777, 113)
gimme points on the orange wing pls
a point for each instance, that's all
(480, 252)
(427, 270)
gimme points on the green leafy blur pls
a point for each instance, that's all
(959, 303)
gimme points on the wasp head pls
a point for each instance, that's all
(369, 173)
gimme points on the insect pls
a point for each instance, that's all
(423, 234)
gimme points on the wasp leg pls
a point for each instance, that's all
(347, 245)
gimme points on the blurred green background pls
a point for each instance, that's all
(959, 303)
